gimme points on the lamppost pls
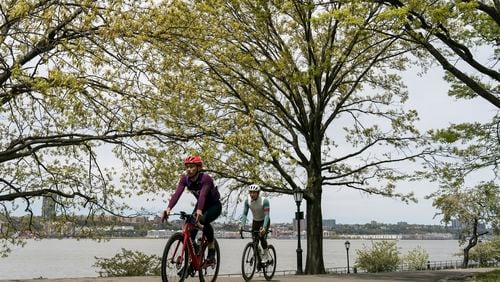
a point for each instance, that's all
(297, 195)
(347, 245)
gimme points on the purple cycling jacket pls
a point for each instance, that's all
(203, 189)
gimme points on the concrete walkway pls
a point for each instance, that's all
(413, 276)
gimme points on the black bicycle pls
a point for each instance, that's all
(251, 260)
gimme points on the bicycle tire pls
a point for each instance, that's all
(270, 265)
(173, 262)
(209, 273)
(248, 262)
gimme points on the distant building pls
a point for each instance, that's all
(455, 224)
(329, 224)
(372, 236)
(48, 207)
(160, 233)
(303, 225)
(428, 236)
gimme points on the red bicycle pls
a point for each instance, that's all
(182, 259)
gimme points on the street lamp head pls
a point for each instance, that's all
(347, 245)
(297, 195)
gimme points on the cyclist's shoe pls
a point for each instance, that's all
(190, 272)
(265, 256)
(181, 272)
(210, 256)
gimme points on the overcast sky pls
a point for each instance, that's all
(428, 95)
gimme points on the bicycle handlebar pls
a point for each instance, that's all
(187, 217)
(253, 232)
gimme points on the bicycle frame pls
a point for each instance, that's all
(196, 259)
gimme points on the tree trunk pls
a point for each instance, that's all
(465, 263)
(314, 258)
(472, 242)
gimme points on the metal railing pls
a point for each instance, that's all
(431, 265)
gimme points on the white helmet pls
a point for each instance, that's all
(254, 188)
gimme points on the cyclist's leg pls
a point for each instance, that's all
(193, 231)
(209, 215)
(256, 225)
(263, 238)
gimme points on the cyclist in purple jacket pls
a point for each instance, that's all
(208, 206)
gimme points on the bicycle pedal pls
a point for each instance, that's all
(208, 263)
(191, 271)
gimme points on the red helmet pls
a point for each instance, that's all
(193, 160)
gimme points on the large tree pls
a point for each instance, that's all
(295, 95)
(460, 35)
(70, 83)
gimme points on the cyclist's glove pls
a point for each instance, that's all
(164, 216)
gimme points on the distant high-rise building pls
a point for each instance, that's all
(329, 224)
(455, 223)
(48, 207)
(303, 225)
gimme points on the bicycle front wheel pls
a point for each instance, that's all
(248, 262)
(269, 267)
(174, 262)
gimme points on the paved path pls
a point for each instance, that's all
(413, 276)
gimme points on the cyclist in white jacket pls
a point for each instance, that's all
(260, 211)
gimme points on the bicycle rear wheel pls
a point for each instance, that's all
(270, 266)
(248, 262)
(174, 262)
(210, 270)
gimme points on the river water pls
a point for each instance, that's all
(54, 258)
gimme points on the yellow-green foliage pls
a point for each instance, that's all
(486, 252)
(382, 256)
(416, 259)
(129, 263)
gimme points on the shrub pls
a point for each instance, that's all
(486, 252)
(383, 256)
(416, 259)
(129, 263)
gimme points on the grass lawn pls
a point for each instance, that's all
(492, 276)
